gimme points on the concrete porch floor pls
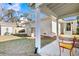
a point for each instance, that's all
(52, 49)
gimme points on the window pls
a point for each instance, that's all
(32, 30)
(68, 26)
(78, 27)
(22, 31)
(77, 23)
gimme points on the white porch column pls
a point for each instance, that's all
(57, 29)
(37, 30)
(56, 49)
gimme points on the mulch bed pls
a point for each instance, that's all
(48, 37)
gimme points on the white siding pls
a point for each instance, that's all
(3, 30)
(46, 26)
(54, 27)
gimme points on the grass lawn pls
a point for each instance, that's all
(20, 47)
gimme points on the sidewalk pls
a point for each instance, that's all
(6, 38)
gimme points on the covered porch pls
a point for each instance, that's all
(56, 11)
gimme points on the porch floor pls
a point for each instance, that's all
(52, 49)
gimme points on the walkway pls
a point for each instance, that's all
(7, 38)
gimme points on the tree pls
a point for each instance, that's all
(1, 18)
(9, 13)
(1, 12)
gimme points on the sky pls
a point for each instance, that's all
(22, 8)
(25, 8)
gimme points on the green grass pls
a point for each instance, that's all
(46, 40)
(21, 47)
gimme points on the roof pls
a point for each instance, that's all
(8, 24)
(60, 10)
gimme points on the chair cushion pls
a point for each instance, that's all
(66, 45)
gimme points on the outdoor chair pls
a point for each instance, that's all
(68, 46)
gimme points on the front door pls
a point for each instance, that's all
(68, 29)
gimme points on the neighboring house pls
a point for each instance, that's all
(7, 28)
(21, 27)
(25, 25)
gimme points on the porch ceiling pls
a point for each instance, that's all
(60, 9)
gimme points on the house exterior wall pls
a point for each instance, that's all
(74, 27)
(46, 26)
(62, 28)
(54, 27)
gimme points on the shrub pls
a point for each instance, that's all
(6, 33)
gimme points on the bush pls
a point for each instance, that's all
(20, 35)
(77, 30)
(6, 33)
